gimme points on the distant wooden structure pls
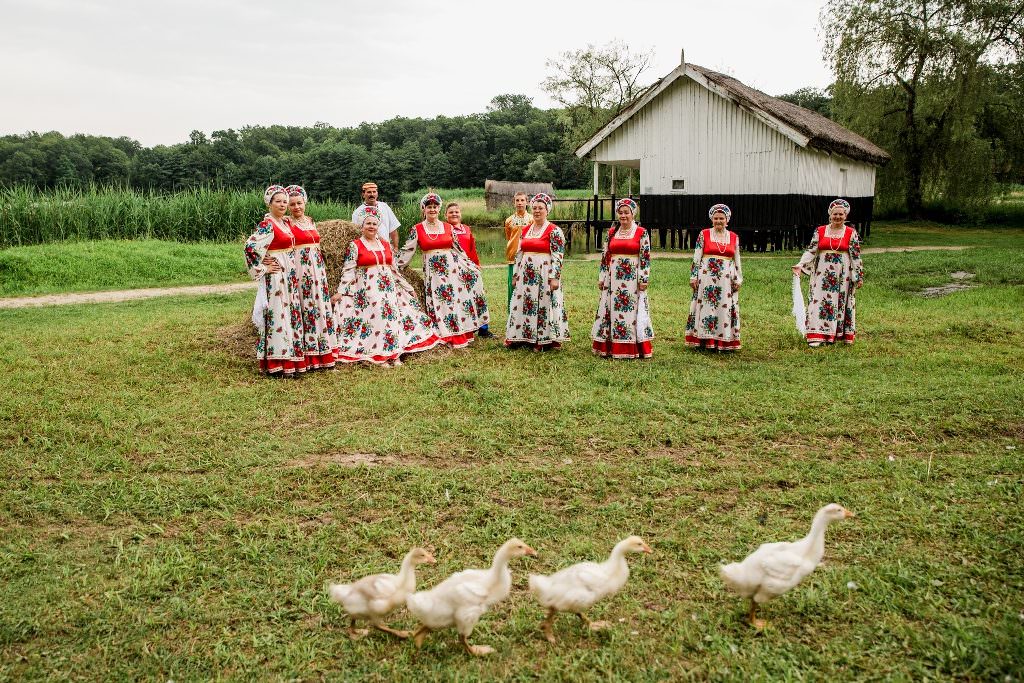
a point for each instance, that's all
(500, 192)
(699, 137)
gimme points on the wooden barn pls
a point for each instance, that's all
(699, 137)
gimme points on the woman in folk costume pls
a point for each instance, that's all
(836, 272)
(536, 316)
(318, 333)
(622, 327)
(270, 258)
(453, 288)
(464, 233)
(715, 278)
(379, 317)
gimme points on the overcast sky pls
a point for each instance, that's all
(156, 70)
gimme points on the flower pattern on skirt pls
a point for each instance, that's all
(380, 321)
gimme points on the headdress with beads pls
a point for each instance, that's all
(269, 193)
(297, 191)
(365, 212)
(840, 202)
(723, 208)
(430, 198)
(542, 197)
(628, 202)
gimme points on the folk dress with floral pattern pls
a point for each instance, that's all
(537, 315)
(453, 288)
(279, 349)
(835, 269)
(379, 317)
(319, 336)
(622, 327)
(714, 320)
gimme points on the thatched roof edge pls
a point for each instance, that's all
(811, 128)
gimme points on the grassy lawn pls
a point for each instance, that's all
(117, 264)
(169, 514)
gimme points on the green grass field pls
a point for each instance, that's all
(170, 514)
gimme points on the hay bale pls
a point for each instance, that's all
(500, 193)
(335, 236)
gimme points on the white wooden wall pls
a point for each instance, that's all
(690, 133)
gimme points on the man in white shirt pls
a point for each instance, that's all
(388, 228)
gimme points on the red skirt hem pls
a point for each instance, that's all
(272, 366)
(713, 344)
(846, 337)
(320, 361)
(624, 350)
(458, 341)
(428, 343)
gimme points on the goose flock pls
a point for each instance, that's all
(464, 597)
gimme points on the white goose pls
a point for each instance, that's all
(376, 596)
(575, 589)
(775, 568)
(462, 598)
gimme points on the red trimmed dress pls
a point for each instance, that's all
(536, 315)
(379, 316)
(453, 289)
(467, 241)
(318, 334)
(279, 349)
(622, 327)
(714, 320)
(835, 270)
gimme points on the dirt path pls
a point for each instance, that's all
(115, 296)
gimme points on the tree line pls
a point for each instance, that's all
(511, 140)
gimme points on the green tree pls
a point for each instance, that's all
(595, 83)
(815, 99)
(910, 71)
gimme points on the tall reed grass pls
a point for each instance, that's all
(28, 216)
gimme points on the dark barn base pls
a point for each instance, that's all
(773, 222)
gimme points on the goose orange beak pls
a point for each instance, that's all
(531, 552)
(647, 549)
(429, 559)
(847, 514)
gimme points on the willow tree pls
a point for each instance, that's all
(913, 71)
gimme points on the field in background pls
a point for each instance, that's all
(29, 216)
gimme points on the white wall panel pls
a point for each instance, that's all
(691, 133)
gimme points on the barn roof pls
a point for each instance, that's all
(805, 127)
